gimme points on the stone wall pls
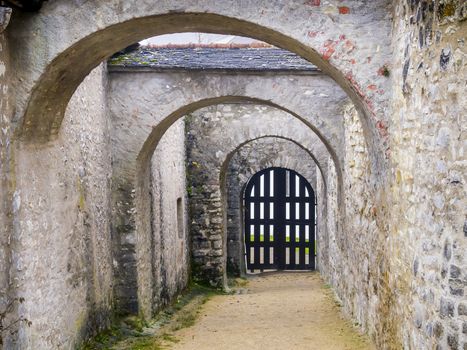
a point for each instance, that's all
(355, 254)
(61, 259)
(6, 111)
(163, 271)
(214, 134)
(251, 158)
(326, 244)
(352, 250)
(428, 149)
(395, 242)
(323, 199)
(143, 199)
(398, 262)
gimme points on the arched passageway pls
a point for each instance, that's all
(73, 192)
(138, 137)
(135, 138)
(216, 134)
(50, 83)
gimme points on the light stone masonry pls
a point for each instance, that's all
(92, 160)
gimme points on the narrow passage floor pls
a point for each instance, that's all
(273, 311)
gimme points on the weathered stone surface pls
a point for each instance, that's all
(446, 308)
(5, 15)
(428, 153)
(403, 63)
(169, 239)
(218, 133)
(462, 309)
(6, 109)
(453, 341)
(61, 244)
(329, 39)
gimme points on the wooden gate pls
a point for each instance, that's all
(279, 221)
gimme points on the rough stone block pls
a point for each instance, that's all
(462, 309)
(453, 341)
(438, 329)
(446, 308)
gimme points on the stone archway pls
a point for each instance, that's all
(211, 147)
(137, 171)
(136, 138)
(45, 86)
(317, 34)
(399, 267)
(138, 148)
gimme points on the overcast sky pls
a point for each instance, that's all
(196, 38)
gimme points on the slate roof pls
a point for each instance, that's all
(212, 58)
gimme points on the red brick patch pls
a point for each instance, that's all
(344, 10)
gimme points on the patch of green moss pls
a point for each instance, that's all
(386, 72)
(238, 282)
(118, 60)
(82, 198)
(104, 340)
(136, 323)
(146, 343)
(138, 334)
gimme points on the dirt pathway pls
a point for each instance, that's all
(274, 311)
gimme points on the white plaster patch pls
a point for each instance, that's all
(16, 201)
(438, 200)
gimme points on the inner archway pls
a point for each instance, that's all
(253, 157)
(217, 133)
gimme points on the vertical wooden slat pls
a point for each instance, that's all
(247, 232)
(257, 235)
(266, 245)
(279, 217)
(303, 243)
(267, 234)
(291, 223)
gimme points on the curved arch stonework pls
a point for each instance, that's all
(330, 35)
(143, 105)
(154, 100)
(77, 172)
(248, 160)
(214, 135)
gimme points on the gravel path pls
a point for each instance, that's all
(273, 311)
